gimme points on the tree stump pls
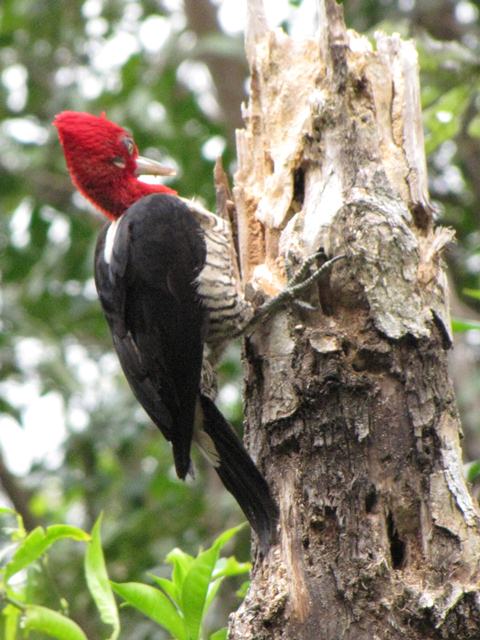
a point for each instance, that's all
(350, 411)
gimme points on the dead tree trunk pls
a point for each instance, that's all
(350, 409)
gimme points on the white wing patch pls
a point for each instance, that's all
(109, 240)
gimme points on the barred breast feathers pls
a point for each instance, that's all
(218, 287)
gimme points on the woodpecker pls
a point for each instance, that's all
(167, 286)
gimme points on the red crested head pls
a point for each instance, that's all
(103, 162)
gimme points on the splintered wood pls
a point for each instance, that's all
(335, 122)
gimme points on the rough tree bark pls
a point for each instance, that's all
(349, 407)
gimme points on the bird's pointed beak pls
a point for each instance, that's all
(145, 166)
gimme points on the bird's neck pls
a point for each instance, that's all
(115, 203)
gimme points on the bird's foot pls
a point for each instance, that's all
(300, 281)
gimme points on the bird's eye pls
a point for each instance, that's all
(119, 162)
(129, 143)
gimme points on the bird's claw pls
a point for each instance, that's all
(305, 306)
(304, 270)
(298, 283)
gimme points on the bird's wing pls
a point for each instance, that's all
(148, 293)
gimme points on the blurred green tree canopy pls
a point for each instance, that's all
(173, 72)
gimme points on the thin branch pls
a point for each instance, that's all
(18, 496)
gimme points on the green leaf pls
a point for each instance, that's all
(195, 589)
(212, 593)
(181, 562)
(37, 542)
(473, 471)
(98, 582)
(221, 634)
(20, 533)
(59, 531)
(52, 623)
(225, 567)
(168, 587)
(460, 326)
(231, 567)
(8, 409)
(154, 604)
(474, 127)
(472, 293)
(242, 590)
(442, 121)
(227, 535)
(11, 615)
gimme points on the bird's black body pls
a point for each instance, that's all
(149, 266)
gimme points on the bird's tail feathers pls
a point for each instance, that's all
(238, 472)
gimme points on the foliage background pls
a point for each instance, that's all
(174, 73)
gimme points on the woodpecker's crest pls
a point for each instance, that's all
(103, 162)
